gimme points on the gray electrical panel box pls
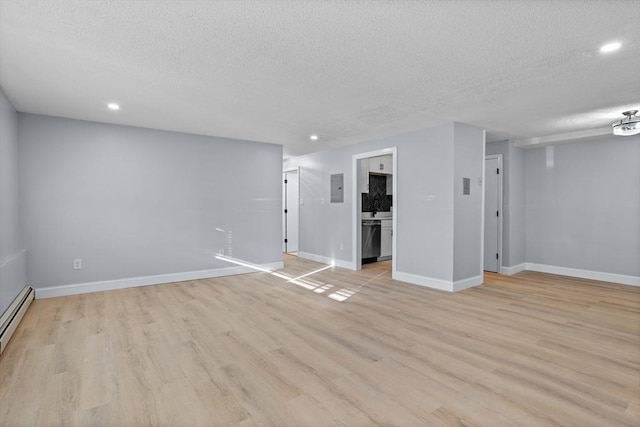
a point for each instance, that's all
(466, 186)
(337, 188)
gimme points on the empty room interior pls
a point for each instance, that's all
(318, 213)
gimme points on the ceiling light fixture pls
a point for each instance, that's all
(628, 126)
(113, 106)
(610, 47)
(313, 137)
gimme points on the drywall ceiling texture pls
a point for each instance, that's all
(278, 71)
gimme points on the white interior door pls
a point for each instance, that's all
(492, 213)
(291, 211)
(284, 212)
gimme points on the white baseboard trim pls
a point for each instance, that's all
(442, 285)
(585, 274)
(510, 271)
(460, 285)
(326, 260)
(132, 282)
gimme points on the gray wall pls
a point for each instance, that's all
(12, 254)
(424, 201)
(134, 202)
(513, 201)
(516, 207)
(468, 163)
(324, 226)
(583, 205)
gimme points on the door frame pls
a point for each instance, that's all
(284, 202)
(356, 215)
(500, 204)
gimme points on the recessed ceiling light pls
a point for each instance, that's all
(610, 47)
(113, 106)
(313, 137)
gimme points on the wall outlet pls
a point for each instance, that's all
(77, 264)
(341, 247)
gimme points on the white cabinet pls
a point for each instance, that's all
(386, 238)
(382, 164)
(363, 175)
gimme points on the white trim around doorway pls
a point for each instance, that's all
(295, 170)
(356, 216)
(500, 204)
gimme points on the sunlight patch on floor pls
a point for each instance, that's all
(322, 289)
(302, 280)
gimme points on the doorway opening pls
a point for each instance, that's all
(290, 211)
(374, 209)
(493, 213)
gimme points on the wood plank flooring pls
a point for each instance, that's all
(333, 348)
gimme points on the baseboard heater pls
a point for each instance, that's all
(13, 315)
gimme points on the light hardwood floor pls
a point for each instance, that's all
(332, 348)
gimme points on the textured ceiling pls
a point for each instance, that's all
(278, 71)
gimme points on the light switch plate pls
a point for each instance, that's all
(466, 186)
(337, 188)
